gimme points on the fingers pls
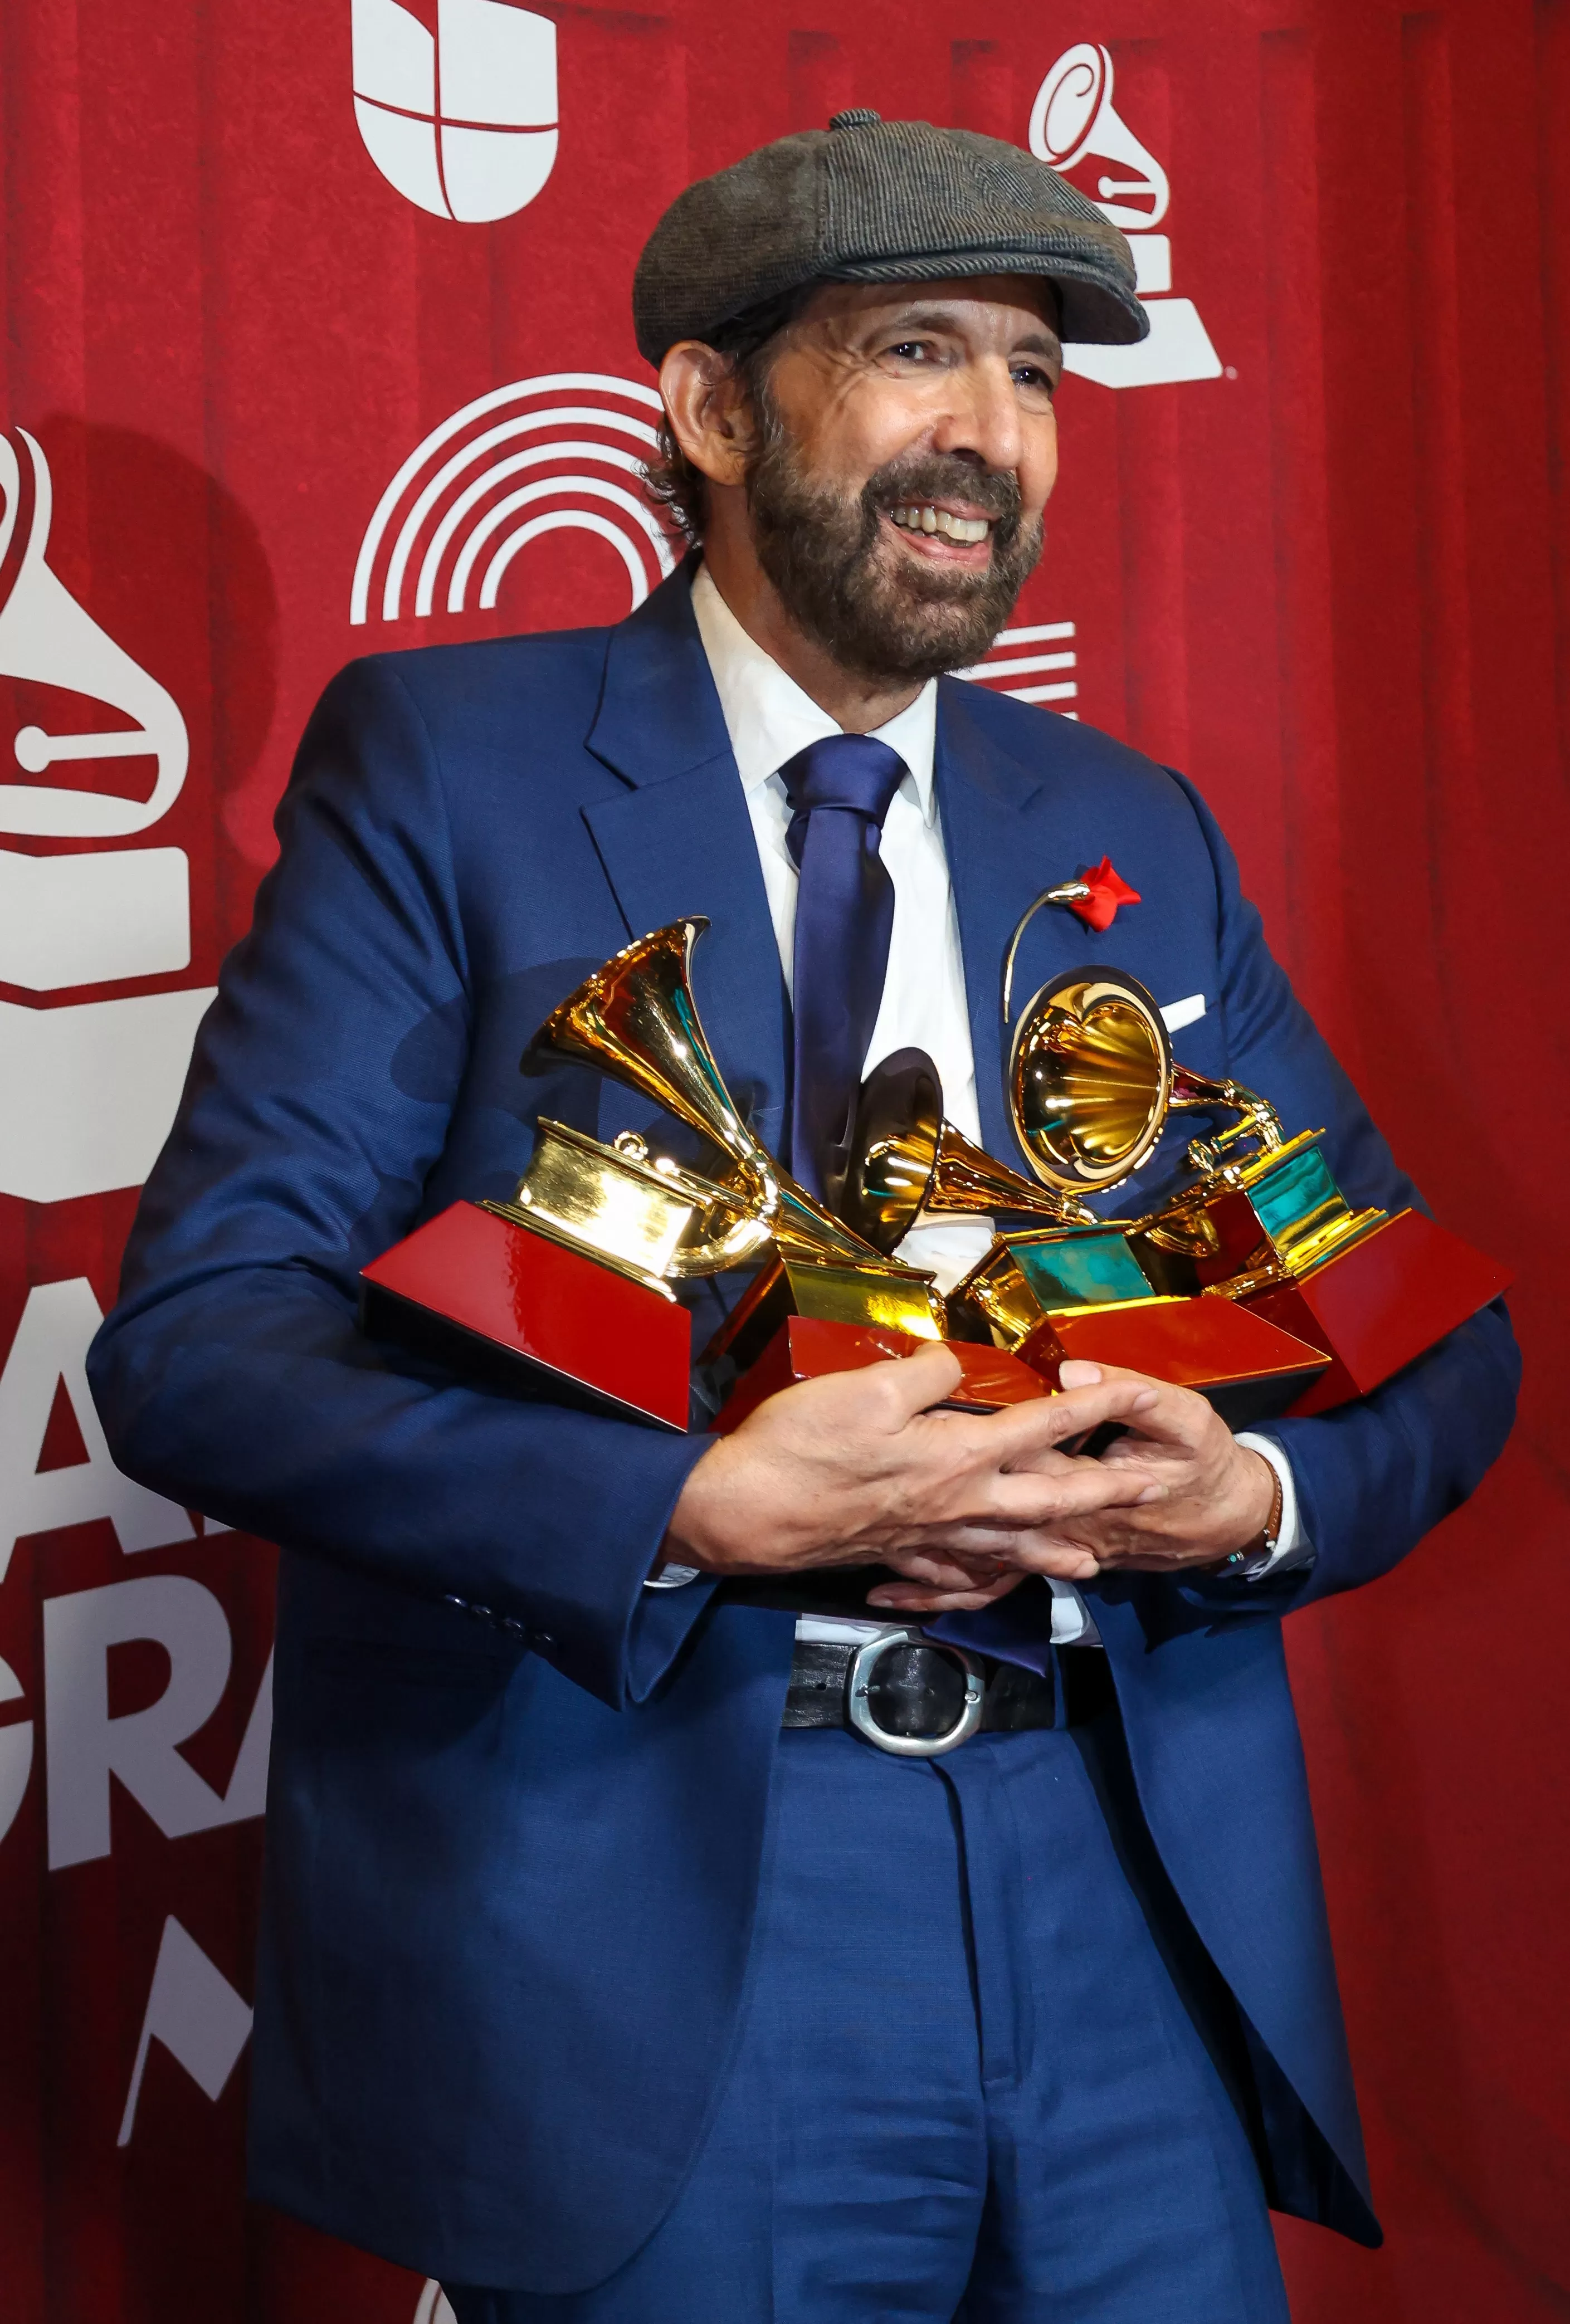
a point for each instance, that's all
(844, 1468)
(908, 1598)
(890, 1398)
(914, 1384)
(1078, 1489)
(942, 1569)
(1170, 1414)
(1025, 1430)
(981, 1551)
(882, 1398)
(1057, 1560)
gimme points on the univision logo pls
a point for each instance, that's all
(462, 122)
(560, 453)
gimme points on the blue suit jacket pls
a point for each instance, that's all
(512, 1870)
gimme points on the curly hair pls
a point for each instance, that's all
(678, 489)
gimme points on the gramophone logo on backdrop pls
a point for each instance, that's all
(1074, 120)
(560, 453)
(87, 1091)
(462, 121)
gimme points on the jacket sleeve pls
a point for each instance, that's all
(232, 1377)
(1374, 1476)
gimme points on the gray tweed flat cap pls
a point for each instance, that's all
(869, 200)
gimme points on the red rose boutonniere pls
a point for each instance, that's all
(1097, 897)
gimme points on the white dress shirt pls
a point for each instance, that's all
(769, 719)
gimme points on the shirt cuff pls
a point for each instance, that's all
(1293, 1549)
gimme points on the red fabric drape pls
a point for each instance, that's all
(1331, 579)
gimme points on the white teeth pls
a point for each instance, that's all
(936, 520)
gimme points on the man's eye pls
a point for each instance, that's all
(911, 350)
(1032, 376)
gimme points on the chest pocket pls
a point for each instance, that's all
(1198, 1037)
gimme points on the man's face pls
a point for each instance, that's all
(907, 449)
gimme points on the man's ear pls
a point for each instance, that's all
(706, 406)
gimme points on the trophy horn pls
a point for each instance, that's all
(1092, 1080)
(637, 1020)
(906, 1158)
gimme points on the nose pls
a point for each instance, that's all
(982, 419)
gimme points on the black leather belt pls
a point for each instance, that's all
(913, 1697)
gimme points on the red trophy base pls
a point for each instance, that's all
(804, 1347)
(1386, 1302)
(1208, 1343)
(554, 1316)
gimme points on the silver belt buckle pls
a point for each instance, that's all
(912, 1746)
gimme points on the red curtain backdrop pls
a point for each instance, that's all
(1318, 553)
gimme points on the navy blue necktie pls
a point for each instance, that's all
(840, 789)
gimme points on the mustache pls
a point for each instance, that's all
(932, 477)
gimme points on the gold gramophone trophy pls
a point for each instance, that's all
(571, 1283)
(906, 1158)
(907, 1162)
(1264, 1227)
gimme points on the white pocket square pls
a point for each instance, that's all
(1178, 1013)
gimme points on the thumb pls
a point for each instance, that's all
(921, 1381)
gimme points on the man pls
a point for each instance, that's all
(606, 1973)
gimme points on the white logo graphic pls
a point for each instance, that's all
(1074, 120)
(89, 1091)
(433, 2307)
(1030, 653)
(194, 2011)
(15, 1752)
(48, 1355)
(88, 1748)
(94, 1745)
(44, 635)
(463, 124)
(453, 518)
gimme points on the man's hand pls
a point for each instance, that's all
(1211, 1495)
(856, 1469)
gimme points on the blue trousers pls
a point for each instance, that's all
(965, 2085)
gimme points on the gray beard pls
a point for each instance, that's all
(831, 568)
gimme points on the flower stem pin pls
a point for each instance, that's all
(1095, 897)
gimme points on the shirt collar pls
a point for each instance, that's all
(769, 718)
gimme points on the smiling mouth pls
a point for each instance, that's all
(926, 518)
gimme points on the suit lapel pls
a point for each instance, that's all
(679, 840)
(997, 833)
